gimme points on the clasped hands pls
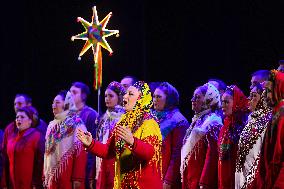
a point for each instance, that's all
(121, 132)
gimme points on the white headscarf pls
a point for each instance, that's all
(69, 102)
(212, 96)
(199, 128)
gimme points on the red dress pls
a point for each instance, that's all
(199, 167)
(229, 138)
(273, 162)
(139, 167)
(106, 174)
(173, 128)
(25, 156)
(272, 171)
(72, 172)
(105, 167)
(64, 159)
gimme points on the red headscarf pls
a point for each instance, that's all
(273, 150)
(229, 137)
(278, 86)
(234, 123)
(278, 97)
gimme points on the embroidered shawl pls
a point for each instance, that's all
(61, 143)
(105, 127)
(201, 124)
(250, 144)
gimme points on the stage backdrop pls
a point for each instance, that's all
(182, 42)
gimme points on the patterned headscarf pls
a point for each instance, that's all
(212, 96)
(240, 101)
(144, 102)
(69, 103)
(118, 89)
(141, 111)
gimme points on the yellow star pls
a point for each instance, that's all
(94, 35)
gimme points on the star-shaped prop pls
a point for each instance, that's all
(94, 36)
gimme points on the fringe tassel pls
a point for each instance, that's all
(56, 171)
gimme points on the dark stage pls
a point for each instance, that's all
(182, 42)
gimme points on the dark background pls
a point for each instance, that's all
(183, 42)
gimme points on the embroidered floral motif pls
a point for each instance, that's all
(108, 121)
(60, 131)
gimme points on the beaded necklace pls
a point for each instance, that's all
(252, 131)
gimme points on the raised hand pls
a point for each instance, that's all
(125, 134)
(84, 137)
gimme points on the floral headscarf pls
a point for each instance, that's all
(61, 141)
(118, 89)
(212, 96)
(144, 102)
(69, 103)
(141, 111)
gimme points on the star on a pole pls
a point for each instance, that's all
(94, 35)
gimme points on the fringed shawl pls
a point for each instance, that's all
(198, 129)
(202, 123)
(250, 144)
(61, 144)
(107, 123)
(105, 127)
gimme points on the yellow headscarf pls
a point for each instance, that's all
(133, 120)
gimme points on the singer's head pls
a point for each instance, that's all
(138, 96)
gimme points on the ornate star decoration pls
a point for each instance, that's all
(94, 35)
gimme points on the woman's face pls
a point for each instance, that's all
(130, 98)
(197, 101)
(58, 105)
(268, 87)
(159, 99)
(254, 98)
(227, 104)
(23, 121)
(111, 98)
